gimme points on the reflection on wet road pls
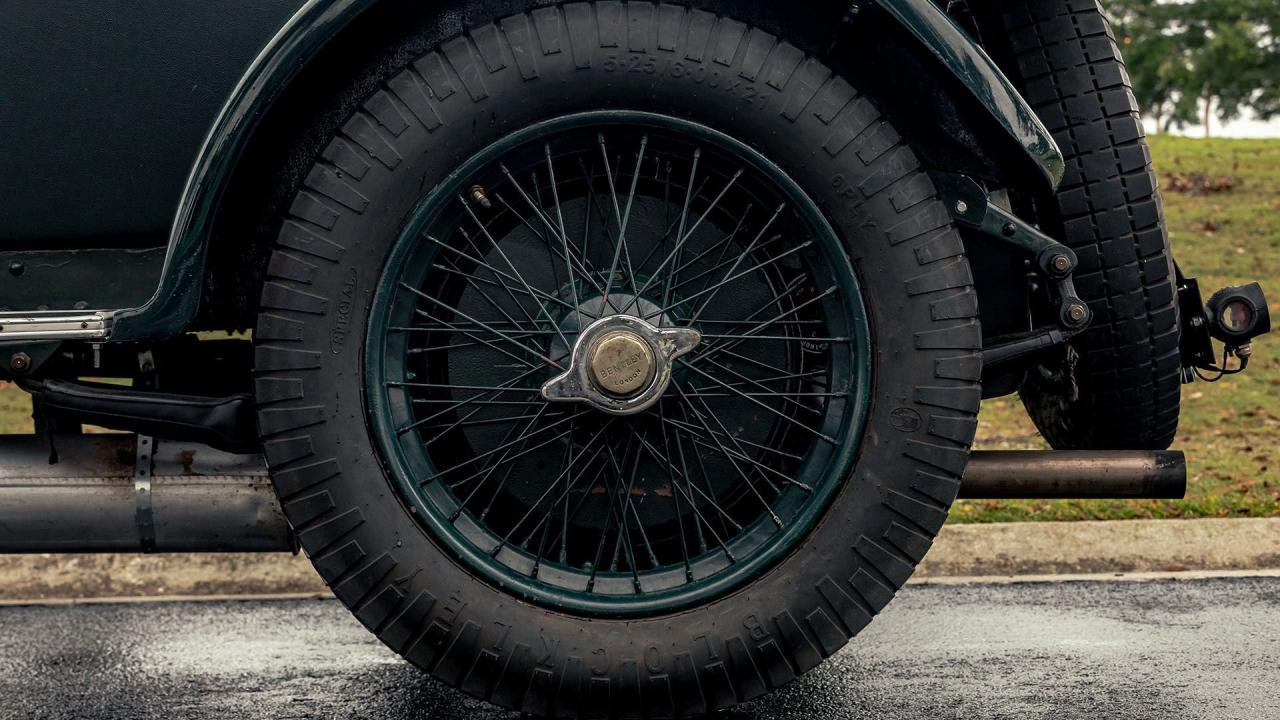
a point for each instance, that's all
(1185, 649)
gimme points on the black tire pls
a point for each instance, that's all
(1119, 385)
(394, 575)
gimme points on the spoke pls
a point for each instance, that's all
(635, 469)
(483, 421)
(494, 304)
(585, 269)
(562, 537)
(423, 421)
(684, 236)
(693, 433)
(705, 321)
(706, 478)
(778, 394)
(807, 375)
(779, 338)
(538, 503)
(441, 473)
(528, 291)
(583, 263)
(564, 523)
(760, 466)
(510, 383)
(745, 254)
(684, 473)
(523, 362)
(456, 346)
(681, 237)
(675, 498)
(467, 206)
(669, 225)
(539, 294)
(450, 270)
(623, 502)
(506, 458)
(729, 456)
(483, 325)
(446, 386)
(722, 246)
(755, 329)
(564, 235)
(620, 250)
(761, 404)
(754, 361)
(720, 263)
(715, 288)
(463, 328)
(766, 391)
(742, 452)
(494, 464)
(666, 461)
(474, 400)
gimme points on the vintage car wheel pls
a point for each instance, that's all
(1119, 384)
(616, 365)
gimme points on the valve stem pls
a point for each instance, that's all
(479, 197)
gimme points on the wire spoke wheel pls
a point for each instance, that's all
(607, 370)
(618, 363)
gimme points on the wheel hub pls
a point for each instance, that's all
(621, 364)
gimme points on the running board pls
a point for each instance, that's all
(129, 493)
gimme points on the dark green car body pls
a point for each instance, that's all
(128, 128)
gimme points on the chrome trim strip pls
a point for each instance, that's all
(54, 325)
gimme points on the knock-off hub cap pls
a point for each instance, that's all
(621, 364)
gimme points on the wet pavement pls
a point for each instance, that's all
(1160, 650)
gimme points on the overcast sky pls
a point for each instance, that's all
(1243, 128)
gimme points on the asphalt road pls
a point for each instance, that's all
(1183, 649)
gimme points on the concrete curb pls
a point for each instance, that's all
(962, 553)
(1126, 546)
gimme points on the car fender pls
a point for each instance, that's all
(173, 306)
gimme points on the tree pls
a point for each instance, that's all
(1155, 55)
(1189, 58)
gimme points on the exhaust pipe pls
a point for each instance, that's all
(1075, 475)
(130, 493)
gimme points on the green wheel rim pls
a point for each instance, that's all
(499, 269)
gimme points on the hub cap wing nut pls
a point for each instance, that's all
(621, 365)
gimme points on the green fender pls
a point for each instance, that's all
(172, 308)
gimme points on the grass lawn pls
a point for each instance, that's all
(1230, 431)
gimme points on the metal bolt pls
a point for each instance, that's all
(1076, 313)
(1061, 263)
(962, 207)
(1197, 322)
(479, 197)
(1009, 229)
(20, 362)
(16, 268)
